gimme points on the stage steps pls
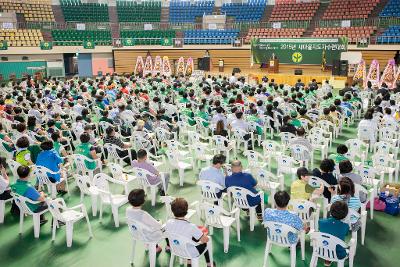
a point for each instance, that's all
(58, 13)
(267, 13)
(114, 23)
(318, 16)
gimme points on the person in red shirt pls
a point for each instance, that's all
(239, 99)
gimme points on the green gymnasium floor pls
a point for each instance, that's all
(111, 246)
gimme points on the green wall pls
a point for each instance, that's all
(7, 68)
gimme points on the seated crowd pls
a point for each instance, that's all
(141, 122)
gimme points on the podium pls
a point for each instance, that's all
(273, 66)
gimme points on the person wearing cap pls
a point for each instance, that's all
(300, 189)
(244, 180)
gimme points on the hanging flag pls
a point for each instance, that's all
(166, 41)
(3, 45)
(128, 42)
(46, 45)
(89, 45)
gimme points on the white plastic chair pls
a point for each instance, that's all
(180, 248)
(112, 153)
(319, 142)
(101, 181)
(268, 181)
(386, 147)
(271, 150)
(216, 216)
(167, 200)
(316, 182)
(357, 149)
(278, 234)
(142, 176)
(238, 136)
(302, 154)
(286, 166)
(3, 209)
(79, 162)
(13, 165)
(118, 173)
(201, 153)
(385, 164)
(285, 138)
(138, 231)
(209, 191)
(175, 163)
(69, 216)
(366, 133)
(307, 211)
(21, 202)
(254, 159)
(41, 174)
(219, 142)
(324, 247)
(86, 188)
(239, 195)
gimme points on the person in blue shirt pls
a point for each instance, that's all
(283, 216)
(50, 159)
(334, 226)
(215, 173)
(244, 180)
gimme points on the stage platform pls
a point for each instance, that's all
(286, 75)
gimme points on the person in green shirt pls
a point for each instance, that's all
(294, 121)
(253, 117)
(340, 154)
(24, 188)
(87, 150)
(184, 98)
(23, 155)
(105, 117)
(204, 115)
(7, 142)
(189, 114)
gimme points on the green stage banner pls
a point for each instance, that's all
(89, 45)
(166, 41)
(46, 45)
(3, 45)
(298, 50)
(128, 42)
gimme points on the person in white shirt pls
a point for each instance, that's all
(79, 107)
(233, 79)
(34, 112)
(215, 173)
(134, 213)
(219, 116)
(180, 226)
(5, 191)
(239, 123)
(388, 117)
(370, 124)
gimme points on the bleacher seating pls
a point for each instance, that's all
(129, 11)
(253, 10)
(294, 11)
(392, 9)
(210, 36)
(75, 37)
(185, 11)
(75, 10)
(274, 33)
(390, 35)
(350, 9)
(39, 10)
(354, 33)
(152, 37)
(21, 37)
